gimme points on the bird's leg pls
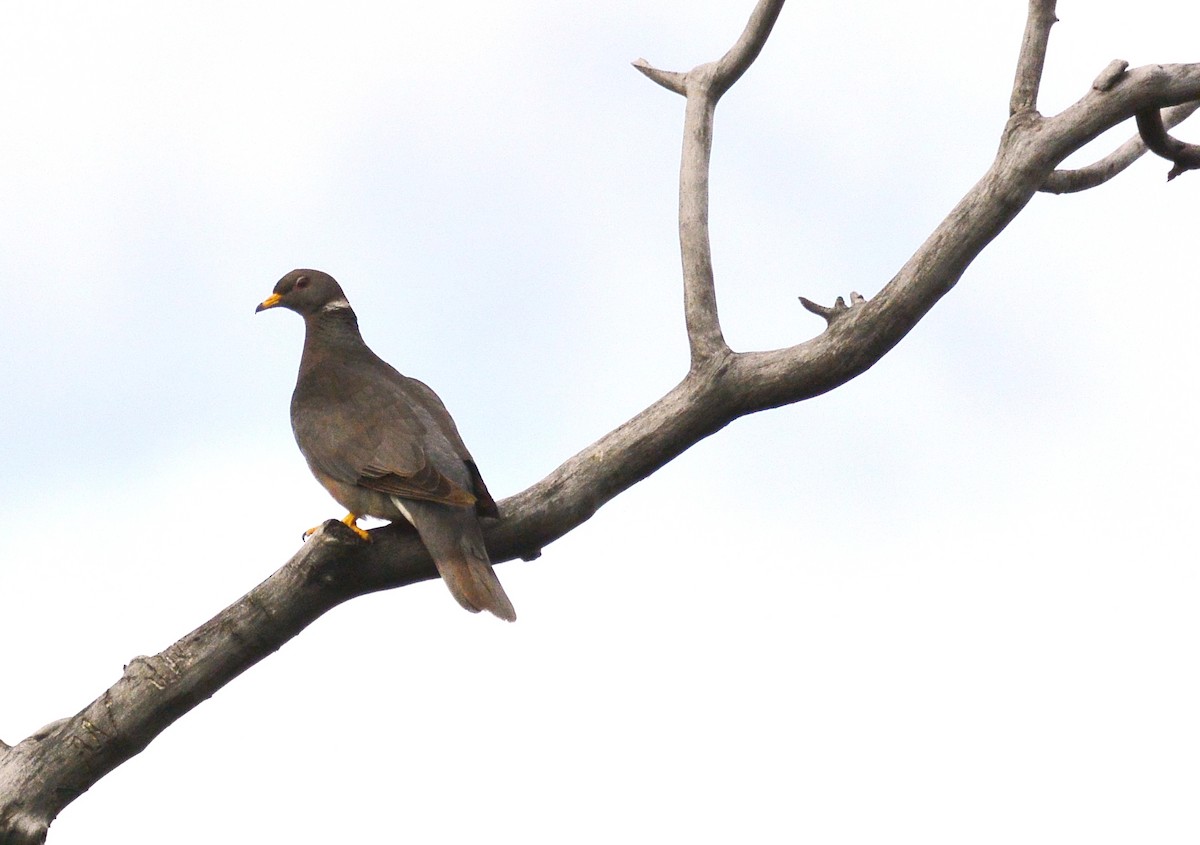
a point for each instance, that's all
(351, 521)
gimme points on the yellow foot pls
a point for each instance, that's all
(350, 520)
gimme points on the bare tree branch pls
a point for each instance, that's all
(733, 64)
(1032, 59)
(1029, 151)
(669, 79)
(1154, 134)
(60, 762)
(699, 288)
(829, 314)
(703, 87)
(45, 772)
(1097, 173)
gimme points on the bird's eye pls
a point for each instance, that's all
(302, 282)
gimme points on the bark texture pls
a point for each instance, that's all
(43, 773)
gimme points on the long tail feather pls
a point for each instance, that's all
(455, 542)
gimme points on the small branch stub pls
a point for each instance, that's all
(1110, 76)
(669, 79)
(839, 308)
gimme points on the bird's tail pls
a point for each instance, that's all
(455, 542)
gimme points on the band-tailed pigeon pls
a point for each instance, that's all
(383, 444)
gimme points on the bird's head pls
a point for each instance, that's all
(306, 292)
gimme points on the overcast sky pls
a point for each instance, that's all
(952, 601)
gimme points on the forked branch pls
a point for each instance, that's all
(1032, 59)
(703, 87)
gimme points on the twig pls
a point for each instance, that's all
(829, 314)
(669, 79)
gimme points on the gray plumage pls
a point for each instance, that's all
(383, 444)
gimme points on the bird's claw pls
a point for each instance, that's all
(350, 521)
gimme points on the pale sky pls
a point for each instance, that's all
(952, 601)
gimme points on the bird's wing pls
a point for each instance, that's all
(485, 505)
(377, 436)
(427, 484)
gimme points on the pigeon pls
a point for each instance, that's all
(384, 445)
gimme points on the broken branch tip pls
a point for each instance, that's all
(669, 79)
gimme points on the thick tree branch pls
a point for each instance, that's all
(1032, 59)
(45, 772)
(51, 768)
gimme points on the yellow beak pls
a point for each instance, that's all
(270, 302)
